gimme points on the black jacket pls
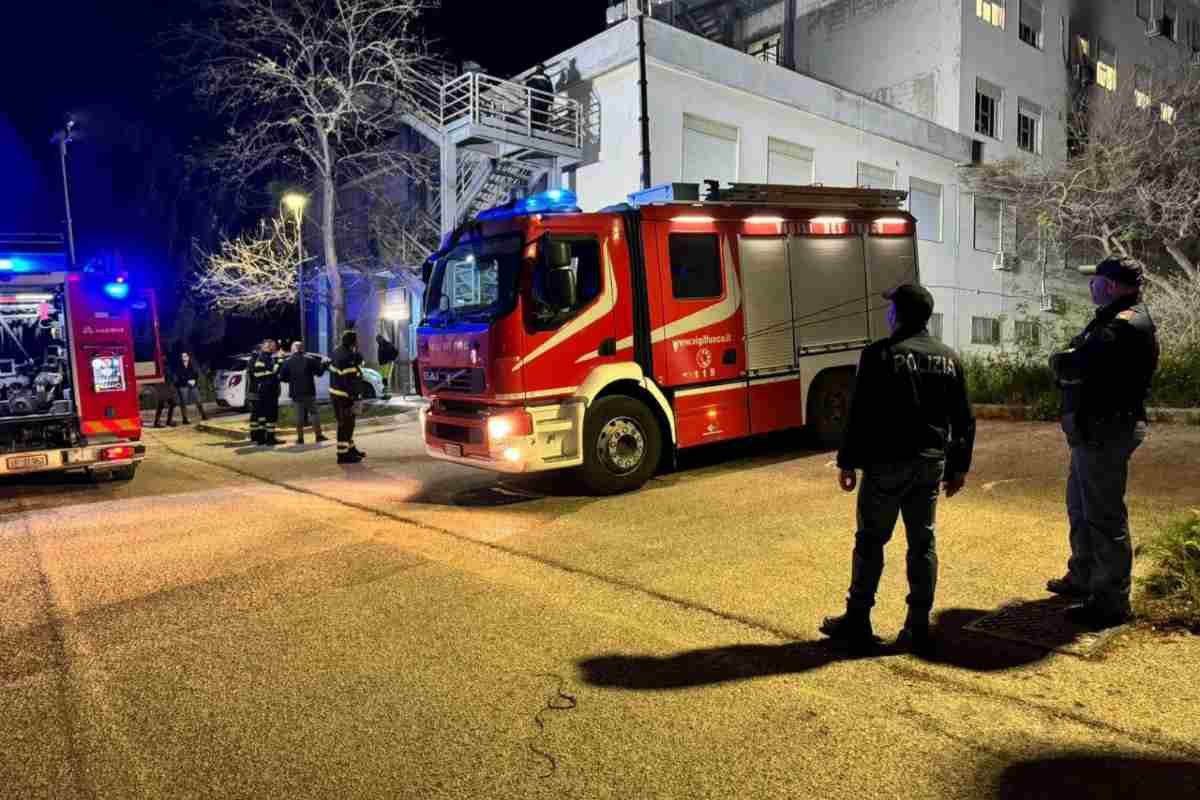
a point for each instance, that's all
(1108, 369)
(346, 378)
(299, 372)
(387, 352)
(183, 376)
(264, 373)
(910, 401)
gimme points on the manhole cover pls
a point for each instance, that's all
(1041, 623)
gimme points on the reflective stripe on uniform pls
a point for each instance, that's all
(338, 392)
(343, 447)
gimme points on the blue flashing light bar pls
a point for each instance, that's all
(13, 265)
(117, 290)
(555, 201)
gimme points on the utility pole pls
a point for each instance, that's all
(62, 138)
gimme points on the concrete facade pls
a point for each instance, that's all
(688, 75)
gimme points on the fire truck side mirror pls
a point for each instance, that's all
(558, 254)
(563, 288)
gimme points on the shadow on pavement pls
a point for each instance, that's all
(1096, 776)
(713, 665)
(957, 647)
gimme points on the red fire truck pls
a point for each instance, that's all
(606, 342)
(68, 387)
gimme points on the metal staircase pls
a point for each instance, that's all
(495, 136)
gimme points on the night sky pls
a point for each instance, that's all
(100, 58)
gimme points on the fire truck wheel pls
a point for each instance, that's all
(622, 444)
(829, 407)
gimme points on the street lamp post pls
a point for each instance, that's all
(295, 202)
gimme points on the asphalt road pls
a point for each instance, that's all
(237, 622)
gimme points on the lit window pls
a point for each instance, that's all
(1168, 113)
(991, 12)
(1029, 127)
(1141, 87)
(1106, 66)
(1030, 26)
(987, 109)
(1085, 48)
(1141, 98)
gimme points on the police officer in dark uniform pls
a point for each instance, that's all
(1105, 377)
(345, 388)
(539, 103)
(265, 369)
(910, 429)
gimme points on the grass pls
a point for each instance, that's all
(1170, 594)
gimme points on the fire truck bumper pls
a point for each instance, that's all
(93, 458)
(555, 440)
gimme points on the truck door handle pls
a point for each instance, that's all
(608, 347)
(730, 356)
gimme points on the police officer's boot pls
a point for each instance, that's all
(916, 636)
(853, 629)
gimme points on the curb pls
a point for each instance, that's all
(1169, 416)
(244, 433)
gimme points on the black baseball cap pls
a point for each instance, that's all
(913, 302)
(1118, 268)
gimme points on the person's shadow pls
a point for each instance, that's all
(954, 646)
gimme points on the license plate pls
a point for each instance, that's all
(28, 462)
(453, 450)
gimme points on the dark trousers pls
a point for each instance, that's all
(264, 414)
(908, 489)
(343, 408)
(306, 409)
(165, 398)
(1101, 549)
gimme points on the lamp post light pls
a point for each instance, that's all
(295, 203)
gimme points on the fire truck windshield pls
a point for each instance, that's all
(476, 281)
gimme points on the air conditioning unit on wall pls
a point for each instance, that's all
(1005, 261)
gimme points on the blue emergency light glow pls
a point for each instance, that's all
(117, 290)
(555, 201)
(6, 265)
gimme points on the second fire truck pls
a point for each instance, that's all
(606, 342)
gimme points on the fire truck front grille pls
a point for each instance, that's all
(452, 379)
(457, 433)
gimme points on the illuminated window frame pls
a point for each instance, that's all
(991, 12)
(1106, 72)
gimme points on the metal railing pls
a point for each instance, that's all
(483, 100)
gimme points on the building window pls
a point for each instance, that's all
(987, 108)
(1030, 27)
(873, 177)
(710, 151)
(1106, 65)
(988, 212)
(1029, 126)
(695, 266)
(789, 164)
(925, 203)
(766, 49)
(935, 326)
(991, 12)
(1143, 9)
(1084, 46)
(1168, 113)
(1169, 16)
(985, 330)
(1028, 333)
(1141, 86)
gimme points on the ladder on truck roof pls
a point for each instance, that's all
(826, 197)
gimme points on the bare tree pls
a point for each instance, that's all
(1129, 185)
(313, 89)
(258, 270)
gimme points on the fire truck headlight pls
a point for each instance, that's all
(513, 423)
(499, 428)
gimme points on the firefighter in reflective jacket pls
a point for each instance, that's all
(264, 372)
(344, 390)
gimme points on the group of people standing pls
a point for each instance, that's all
(268, 371)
